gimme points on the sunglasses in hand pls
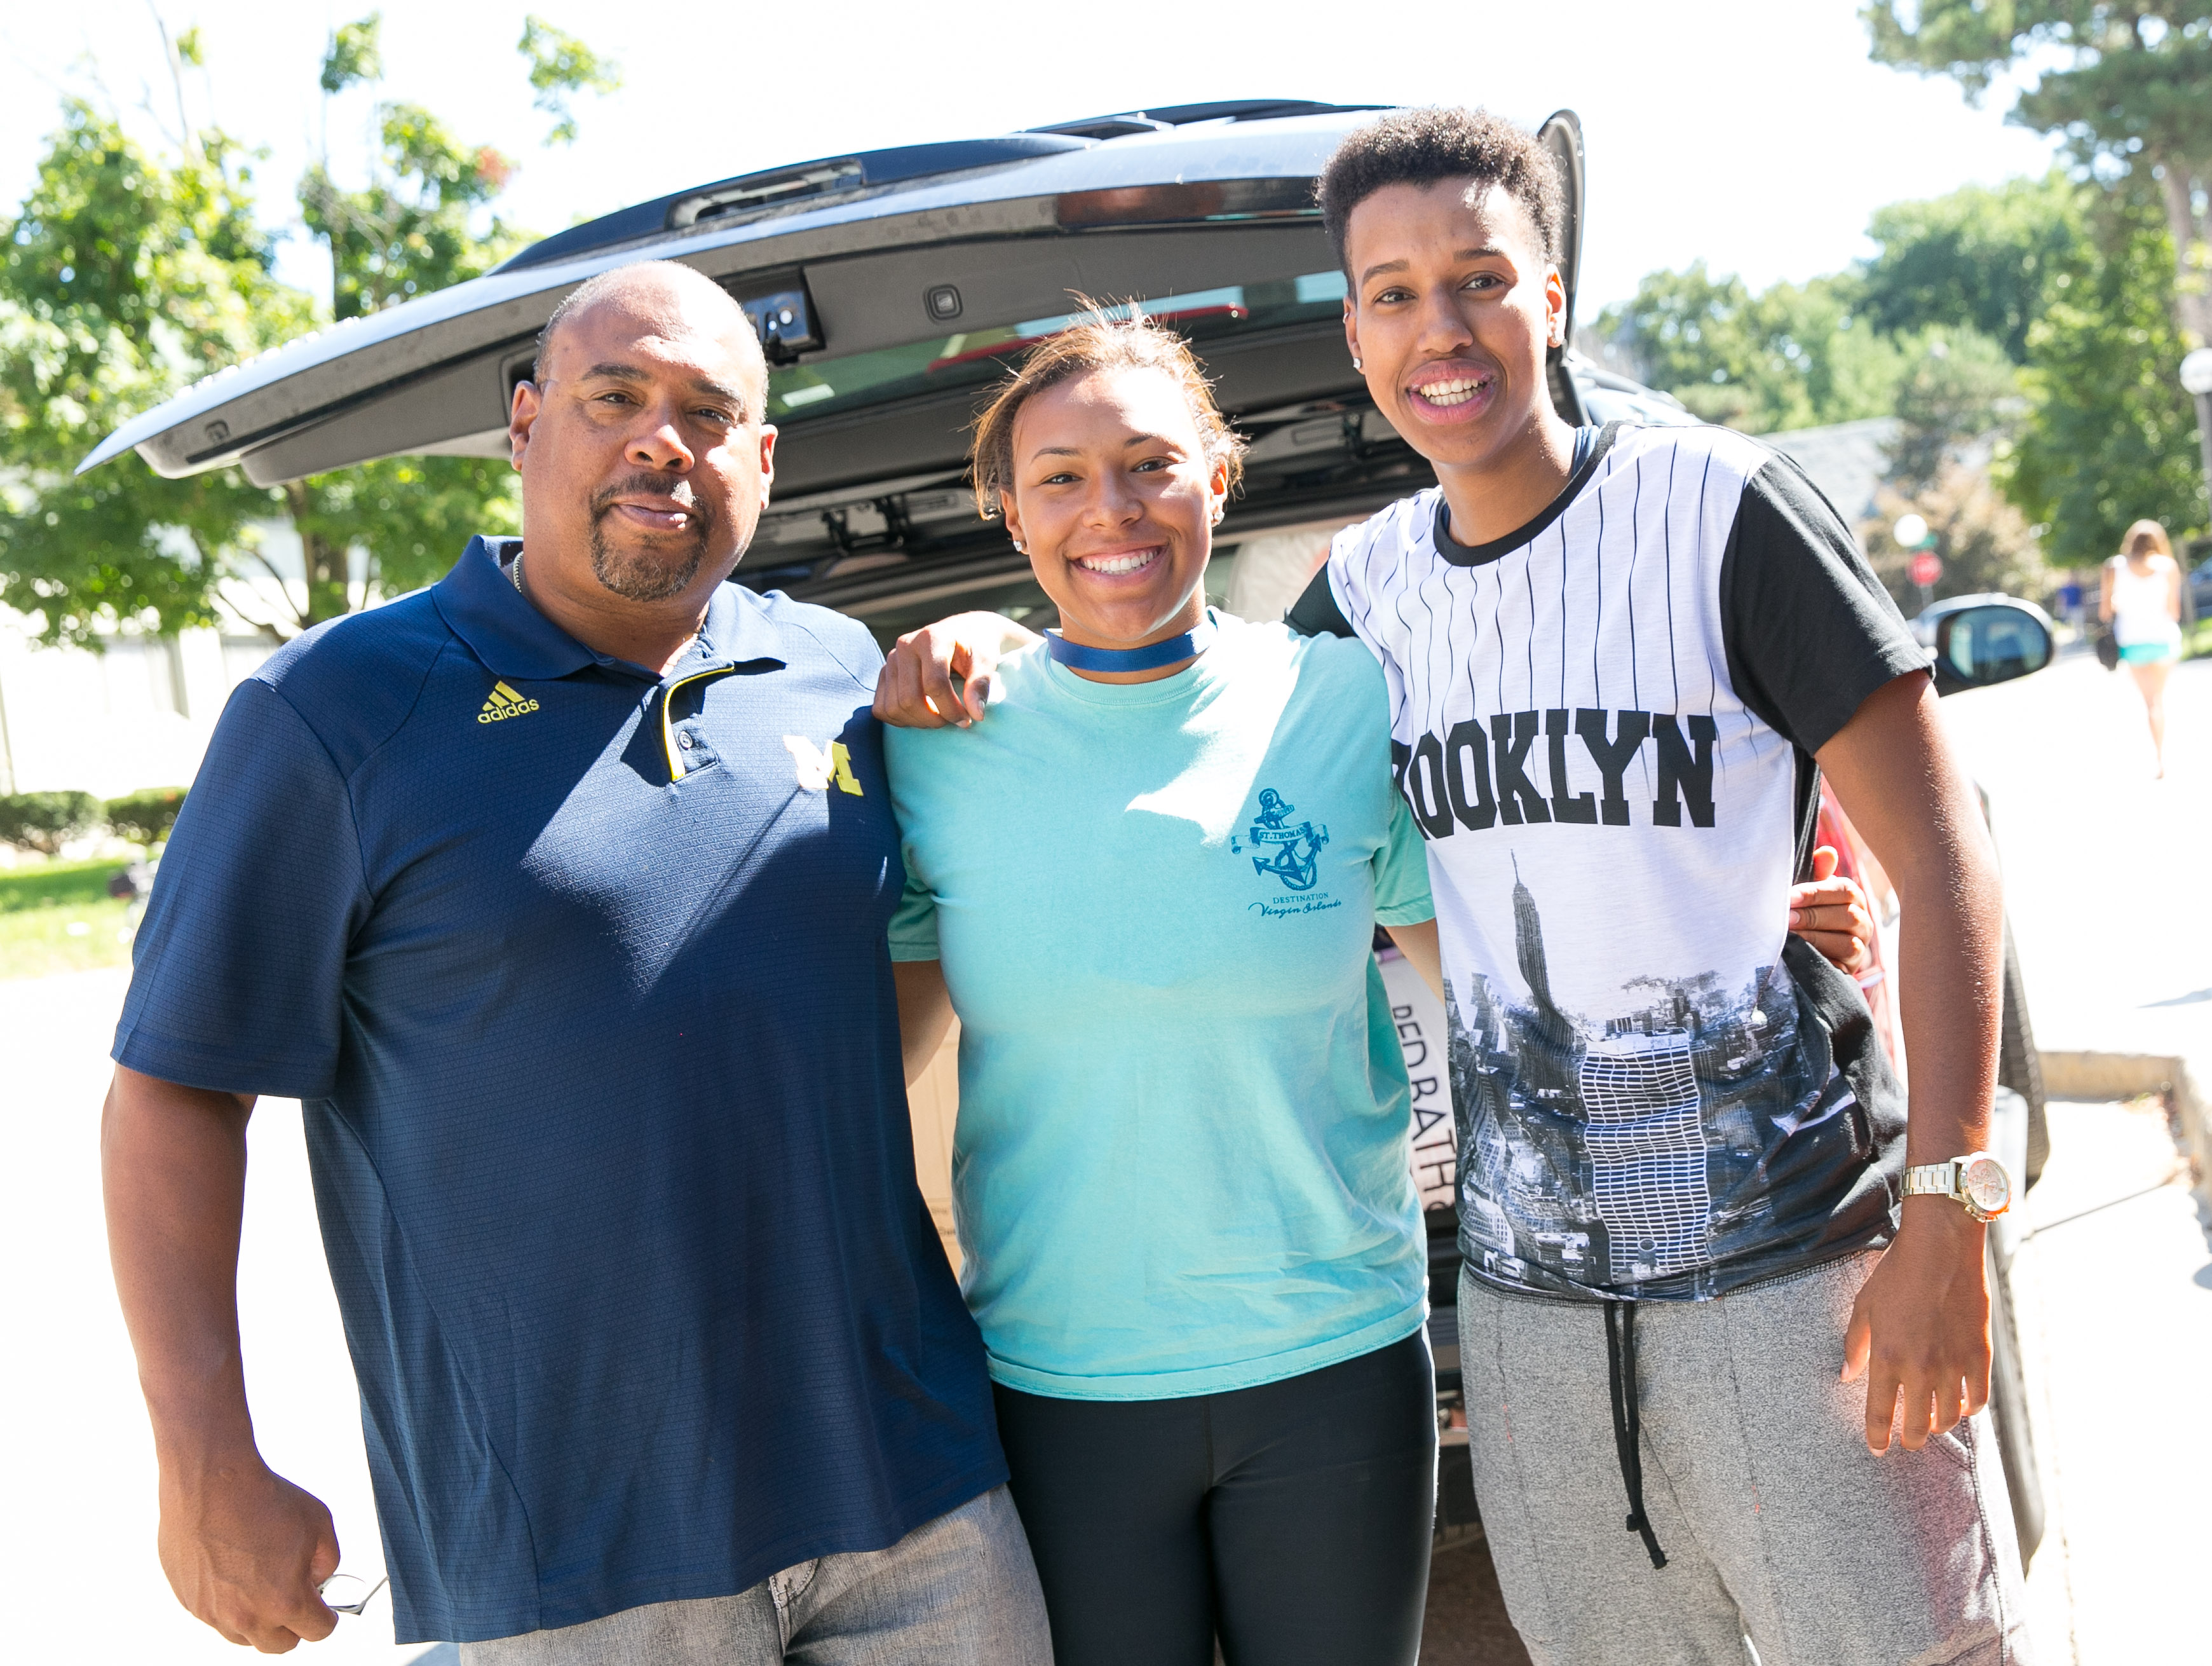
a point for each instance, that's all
(347, 1593)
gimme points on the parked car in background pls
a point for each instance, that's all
(892, 290)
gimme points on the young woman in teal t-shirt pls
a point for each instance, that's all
(1148, 881)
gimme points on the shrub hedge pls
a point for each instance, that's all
(45, 822)
(145, 817)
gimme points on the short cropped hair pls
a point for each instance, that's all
(1420, 146)
(600, 285)
(1097, 340)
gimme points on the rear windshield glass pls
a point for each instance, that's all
(970, 358)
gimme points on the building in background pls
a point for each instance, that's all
(1848, 461)
(137, 712)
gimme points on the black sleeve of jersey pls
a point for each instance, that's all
(1810, 633)
(1315, 613)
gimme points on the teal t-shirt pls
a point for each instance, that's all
(1181, 1164)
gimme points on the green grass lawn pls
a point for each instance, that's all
(57, 917)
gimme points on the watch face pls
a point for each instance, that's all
(1986, 1184)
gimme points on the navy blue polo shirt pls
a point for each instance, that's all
(581, 973)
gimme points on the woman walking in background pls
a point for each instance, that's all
(2141, 600)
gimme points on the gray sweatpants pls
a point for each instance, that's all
(1776, 1522)
(960, 1591)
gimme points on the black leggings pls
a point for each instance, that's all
(1293, 1519)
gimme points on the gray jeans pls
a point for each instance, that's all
(960, 1591)
(1776, 1522)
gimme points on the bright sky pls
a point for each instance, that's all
(1752, 134)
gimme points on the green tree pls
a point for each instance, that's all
(128, 275)
(411, 228)
(2128, 84)
(125, 279)
(1979, 257)
(1959, 406)
(560, 66)
(355, 54)
(1982, 539)
(1959, 391)
(2068, 282)
(418, 224)
(1794, 356)
(2110, 436)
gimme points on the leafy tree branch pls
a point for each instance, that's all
(560, 66)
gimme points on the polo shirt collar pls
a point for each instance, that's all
(485, 611)
(738, 630)
(480, 604)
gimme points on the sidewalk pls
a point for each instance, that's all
(2115, 1315)
(2106, 872)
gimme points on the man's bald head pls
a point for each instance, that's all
(670, 298)
(642, 443)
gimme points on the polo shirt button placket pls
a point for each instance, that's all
(696, 753)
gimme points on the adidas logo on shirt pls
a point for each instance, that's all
(504, 703)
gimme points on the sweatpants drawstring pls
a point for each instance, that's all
(1627, 1425)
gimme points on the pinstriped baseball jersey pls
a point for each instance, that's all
(1603, 723)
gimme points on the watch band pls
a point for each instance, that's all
(1984, 1197)
(1938, 1179)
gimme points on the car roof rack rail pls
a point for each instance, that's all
(749, 194)
(1121, 123)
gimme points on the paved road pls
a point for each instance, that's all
(2108, 872)
(78, 1580)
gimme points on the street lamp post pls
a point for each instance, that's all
(2196, 382)
(1911, 533)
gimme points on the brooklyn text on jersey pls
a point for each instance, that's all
(1448, 779)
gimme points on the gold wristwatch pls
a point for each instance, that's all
(1976, 1182)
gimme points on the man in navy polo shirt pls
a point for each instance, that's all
(558, 894)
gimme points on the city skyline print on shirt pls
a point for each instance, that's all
(1629, 1152)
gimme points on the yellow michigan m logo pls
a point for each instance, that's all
(817, 769)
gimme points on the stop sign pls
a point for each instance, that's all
(1926, 569)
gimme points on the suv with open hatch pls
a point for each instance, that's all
(892, 290)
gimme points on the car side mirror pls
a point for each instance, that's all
(1978, 647)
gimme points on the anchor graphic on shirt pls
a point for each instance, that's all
(1297, 870)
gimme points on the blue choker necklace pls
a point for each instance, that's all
(1151, 657)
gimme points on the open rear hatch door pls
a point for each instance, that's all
(1562, 135)
(434, 375)
(889, 312)
(839, 269)
(879, 356)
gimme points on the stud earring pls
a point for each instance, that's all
(1355, 365)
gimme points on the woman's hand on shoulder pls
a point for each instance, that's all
(915, 690)
(1831, 913)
